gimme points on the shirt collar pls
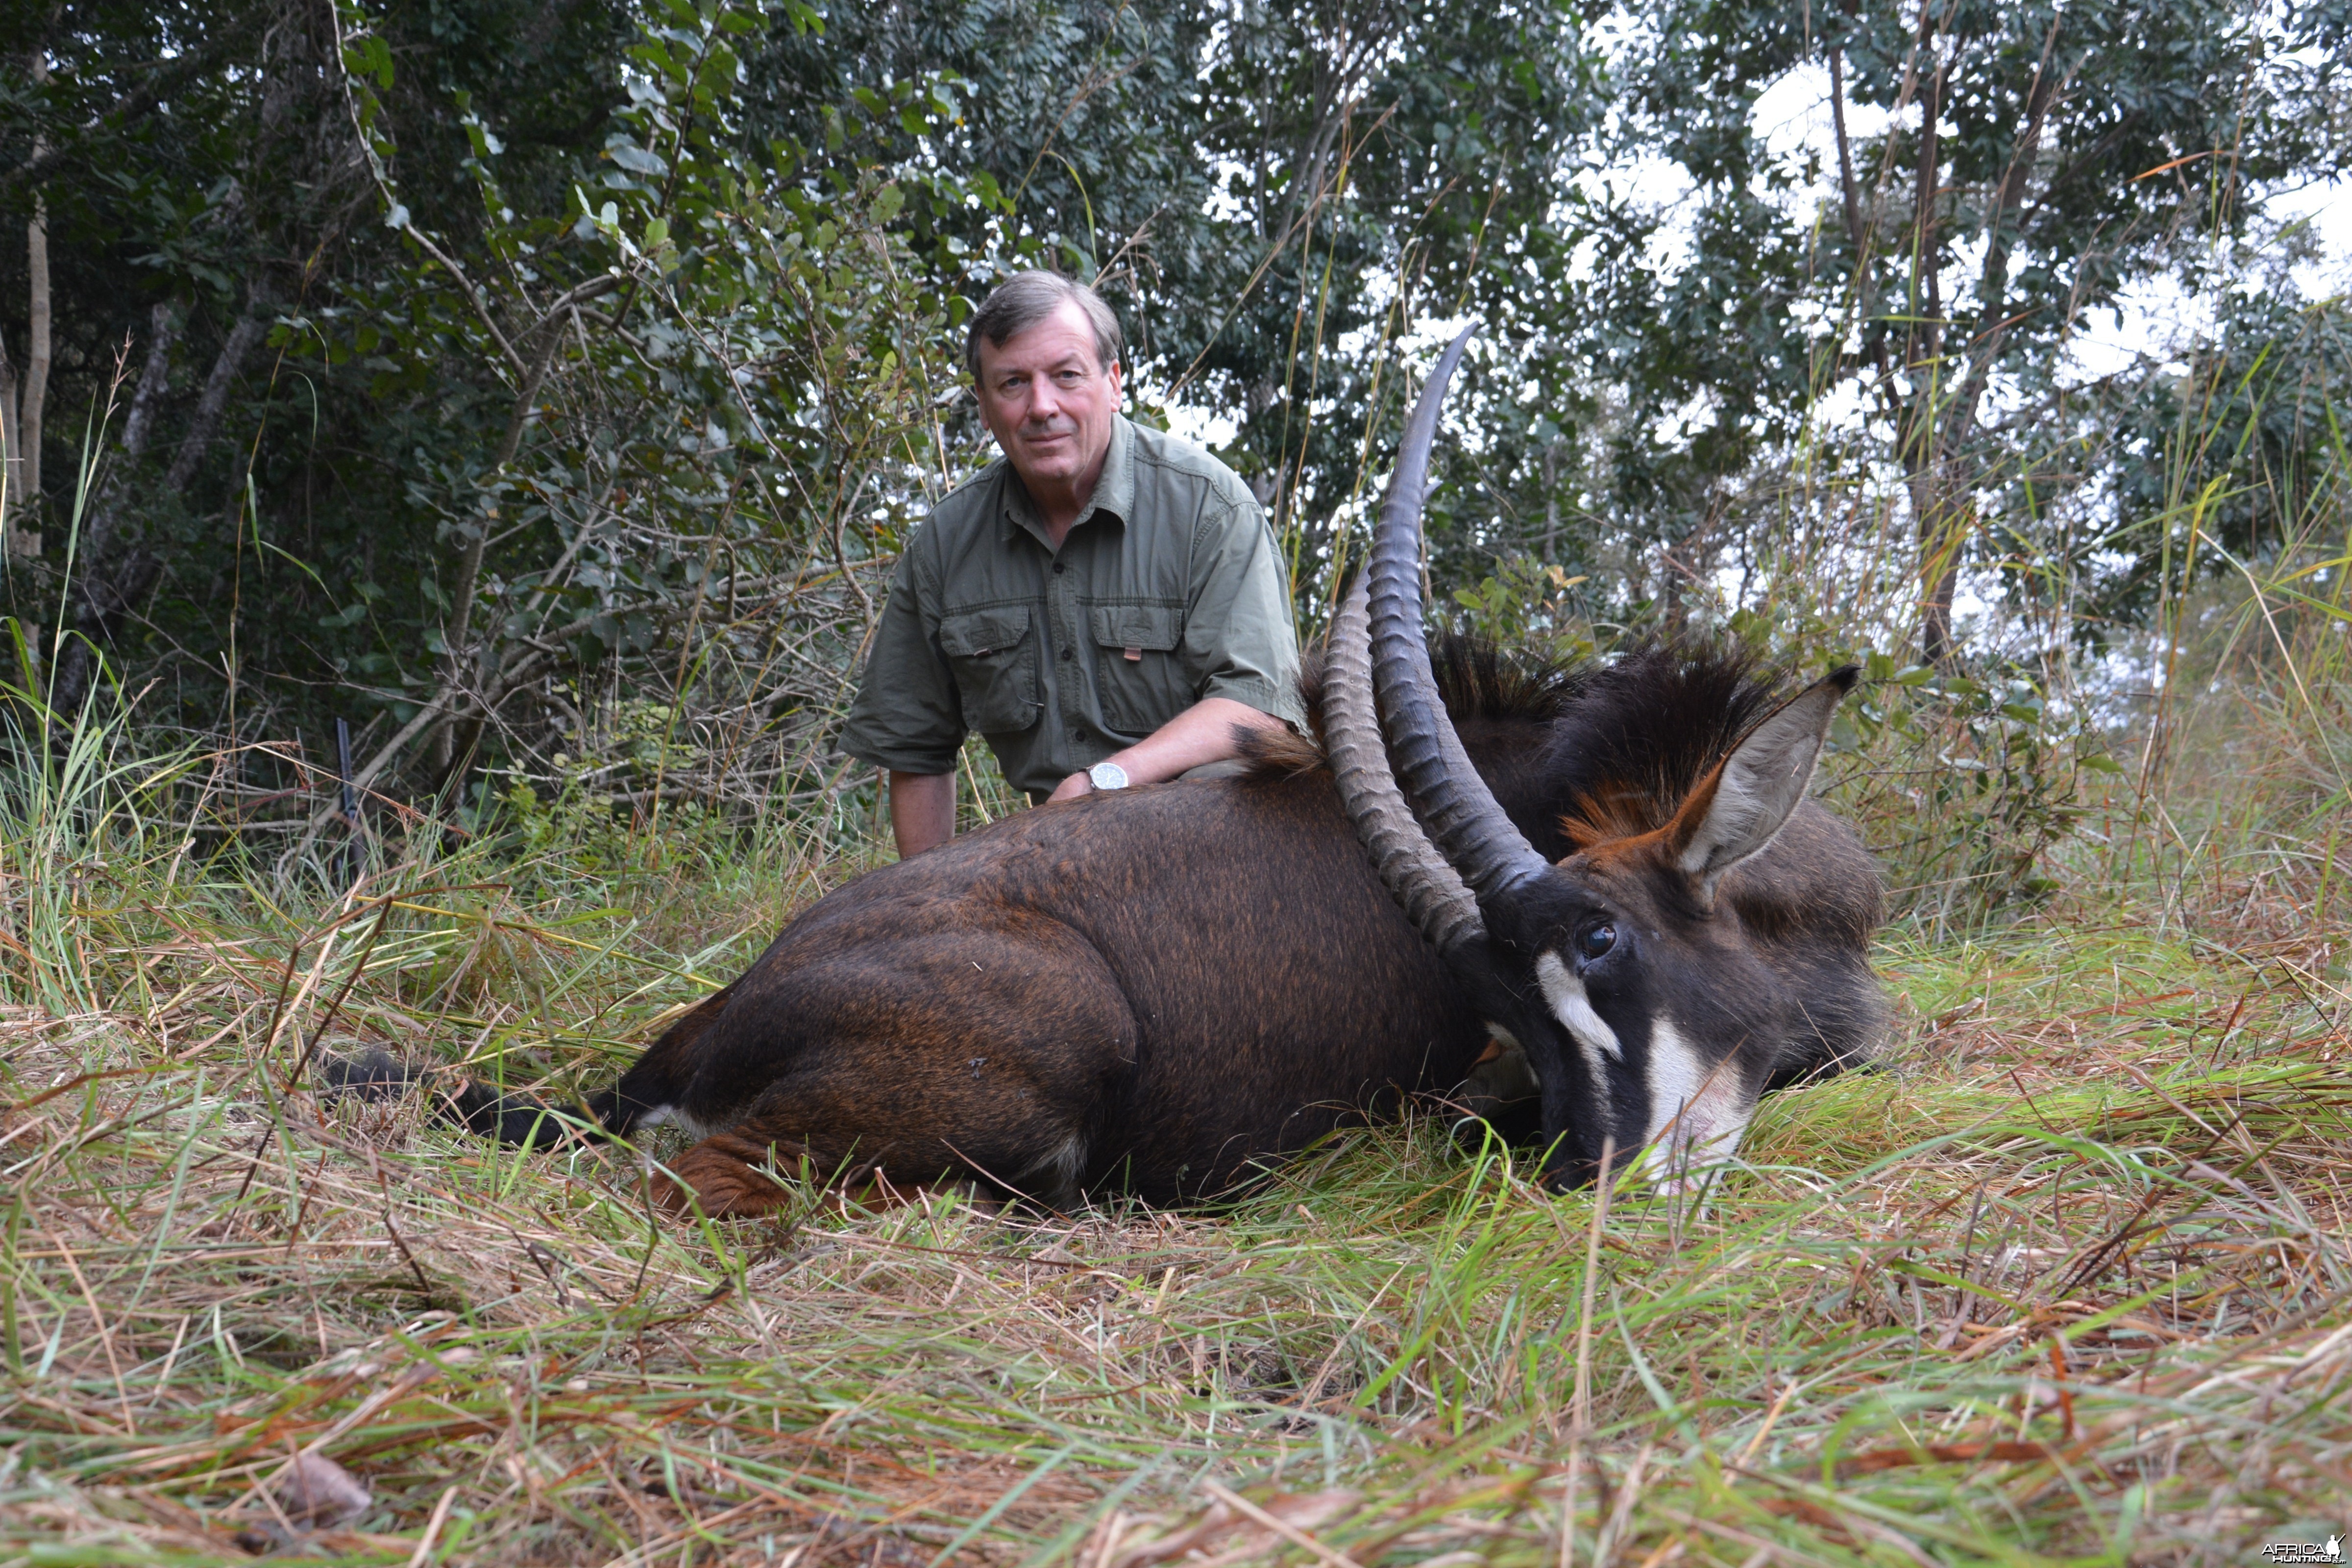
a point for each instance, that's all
(1114, 491)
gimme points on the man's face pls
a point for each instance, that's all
(1047, 400)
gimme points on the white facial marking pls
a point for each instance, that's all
(1564, 991)
(1696, 1111)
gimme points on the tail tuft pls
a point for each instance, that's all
(377, 1075)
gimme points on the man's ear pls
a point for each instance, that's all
(1739, 808)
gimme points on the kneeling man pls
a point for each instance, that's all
(1103, 603)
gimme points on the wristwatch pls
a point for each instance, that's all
(1106, 775)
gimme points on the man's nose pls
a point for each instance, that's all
(1045, 401)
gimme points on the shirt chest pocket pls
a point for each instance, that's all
(995, 665)
(1137, 674)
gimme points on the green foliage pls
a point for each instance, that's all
(2023, 167)
(1273, 198)
(1967, 785)
(586, 360)
(2240, 452)
(706, 370)
(1525, 602)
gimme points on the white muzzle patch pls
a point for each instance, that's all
(1698, 1109)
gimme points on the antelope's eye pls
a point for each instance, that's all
(1596, 942)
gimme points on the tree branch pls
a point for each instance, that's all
(162, 331)
(473, 297)
(549, 328)
(1854, 229)
(214, 401)
(2001, 229)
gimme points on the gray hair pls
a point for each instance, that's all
(1025, 299)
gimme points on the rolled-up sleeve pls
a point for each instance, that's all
(1239, 640)
(908, 715)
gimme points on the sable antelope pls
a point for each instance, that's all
(1161, 988)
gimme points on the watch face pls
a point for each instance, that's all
(1108, 775)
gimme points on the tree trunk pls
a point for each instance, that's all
(31, 402)
(1551, 501)
(162, 329)
(121, 573)
(1941, 534)
(12, 486)
(1924, 438)
(105, 515)
(26, 517)
(1941, 492)
(215, 401)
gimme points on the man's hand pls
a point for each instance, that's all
(1202, 733)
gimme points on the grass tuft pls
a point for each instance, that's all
(2067, 1279)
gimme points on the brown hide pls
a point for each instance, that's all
(1159, 990)
(1150, 989)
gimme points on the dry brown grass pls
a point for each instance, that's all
(2069, 1280)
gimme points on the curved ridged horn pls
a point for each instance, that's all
(1451, 803)
(1432, 891)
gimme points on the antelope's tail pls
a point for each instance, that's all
(518, 1121)
(647, 1093)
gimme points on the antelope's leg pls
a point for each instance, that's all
(720, 1176)
(990, 1055)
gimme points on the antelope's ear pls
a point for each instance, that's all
(1739, 808)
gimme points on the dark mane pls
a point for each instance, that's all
(1576, 751)
(1644, 731)
(1480, 681)
(1487, 690)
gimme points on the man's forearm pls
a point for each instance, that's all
(1202, 733)
(922, 811)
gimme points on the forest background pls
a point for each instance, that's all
(540, 391)
(544, 390)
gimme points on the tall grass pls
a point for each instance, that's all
(2070, 1281)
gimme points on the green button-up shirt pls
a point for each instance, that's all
(1167, 589)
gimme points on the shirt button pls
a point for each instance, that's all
(1058, 568)
(1067, 654)
(1077, 734)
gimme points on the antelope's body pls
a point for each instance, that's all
(1147, 989)
(1157, 990)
